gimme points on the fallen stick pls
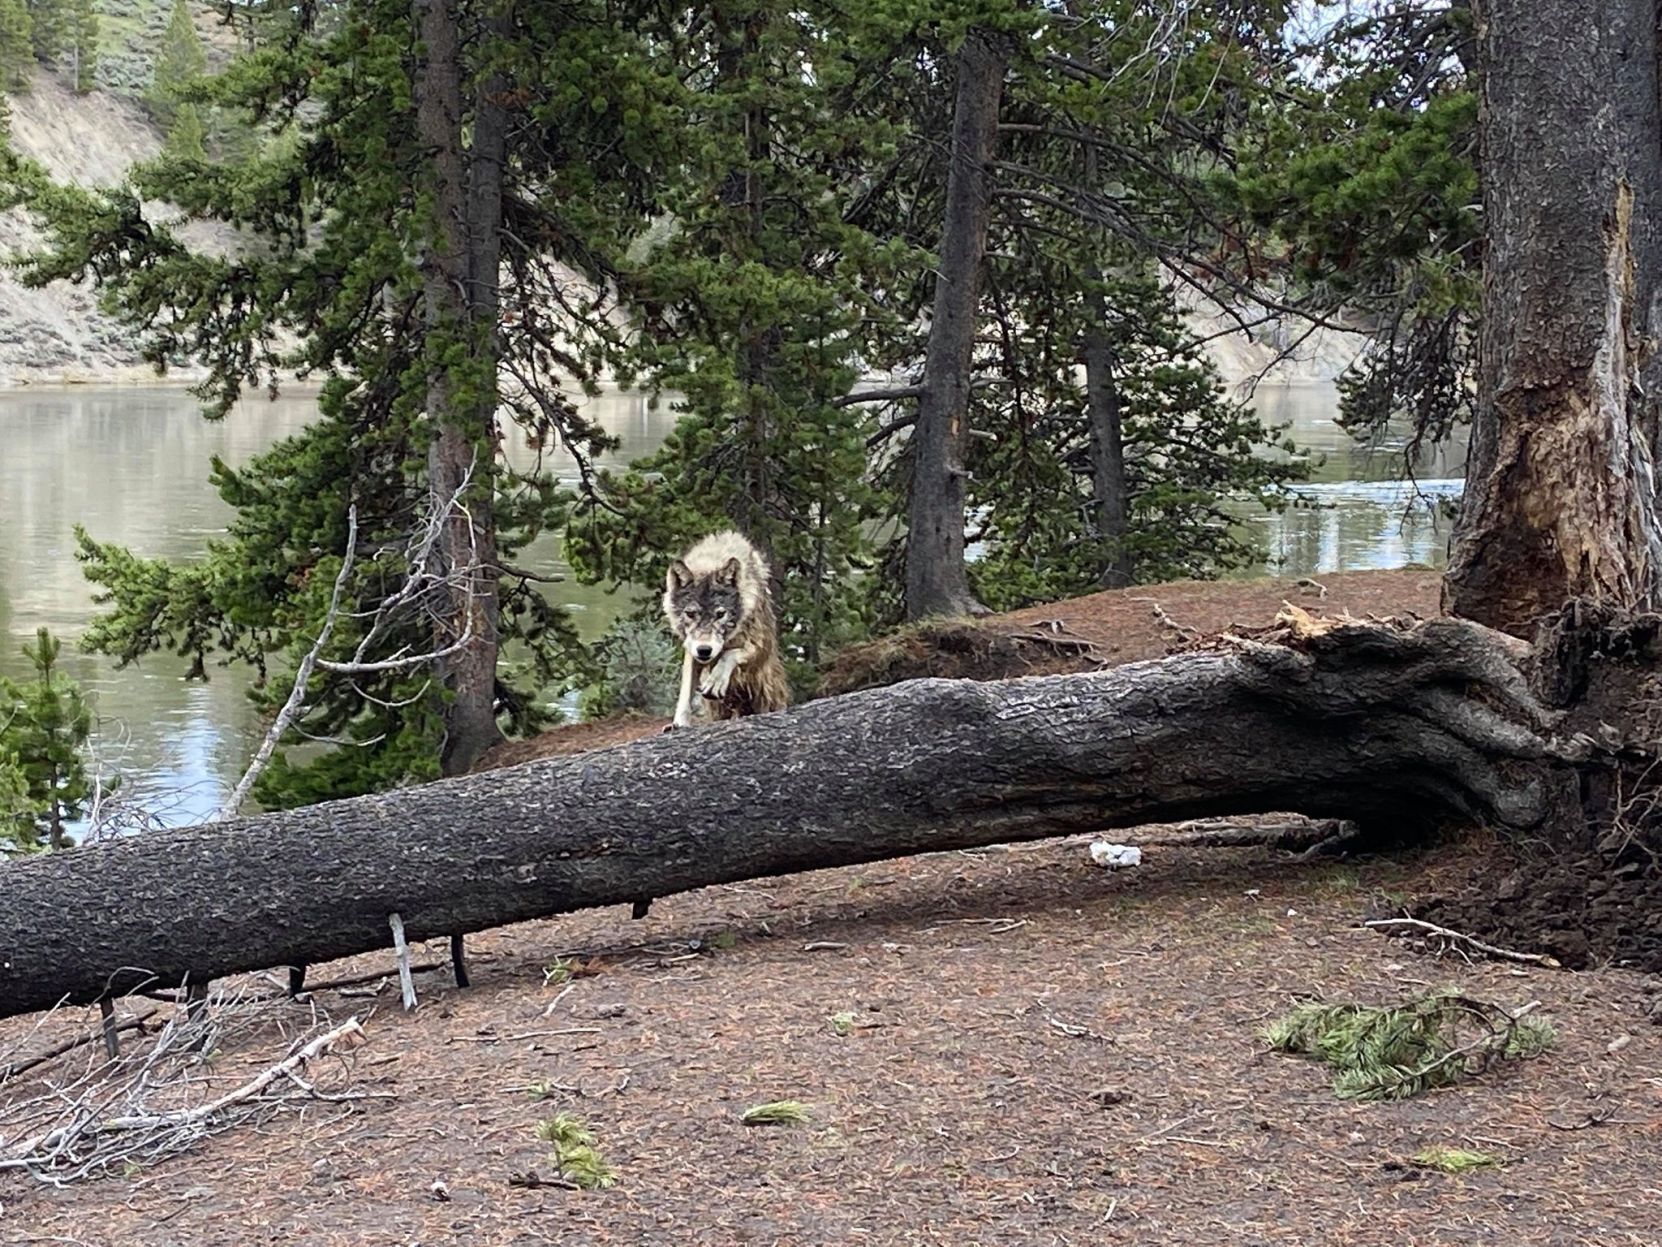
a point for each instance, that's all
(69, 1045)
(34, 1152)
(353, 980)
(285, 1068)
(1509, 954)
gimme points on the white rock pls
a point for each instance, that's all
(1114, 856)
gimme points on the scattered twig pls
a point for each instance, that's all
(1508, 954)
(1074, 1031)
(289, 1068)
(94, 1116)
(563, 1030)
(15, 1068)
(555, 1003)
(534, 1181)
(1166, 621)
(1601, 1117)
(355, 980)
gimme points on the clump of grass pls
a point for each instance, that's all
(1398, 1051)
(1453, 1159)
(560, 970)
(565, 1130)
(1341, 879)
(723, 940)
(574, 1152)
(842, 1023)
(777, 1113)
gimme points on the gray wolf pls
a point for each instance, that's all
(719, 606)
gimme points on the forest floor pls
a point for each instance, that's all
(1001, 1046)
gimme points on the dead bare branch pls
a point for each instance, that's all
(296, 701)
(1459, 937)
(77, 1119)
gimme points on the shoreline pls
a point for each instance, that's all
(175, 382)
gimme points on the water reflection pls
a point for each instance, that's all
(1361, 510)
(132, 464)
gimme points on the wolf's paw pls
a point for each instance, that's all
(718, 677)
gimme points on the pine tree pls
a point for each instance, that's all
(186, 135)
(1357, 190)
(17, 829)
(83, 44)
(752, 309)
(49, 27)
(17, 55)
(1113, 451)
(181, 62)
(48, 723)
(354, 254)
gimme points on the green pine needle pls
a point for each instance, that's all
(1454, 1159)
(1399, 1051)
(574, 1153)
(777, 1113)
(565, 1130)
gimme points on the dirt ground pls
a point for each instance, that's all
(1040, 1051)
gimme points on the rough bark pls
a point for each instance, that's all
(1562, 490)
(459, 276)
(1391, 726)
(1109, 490)
(937, 582)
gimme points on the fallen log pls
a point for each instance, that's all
(1396, 726)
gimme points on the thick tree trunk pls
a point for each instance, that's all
(1110, 491)
(756, 506)
(1397, 727)
(459, 273)
(937, 582)
(1562, 491)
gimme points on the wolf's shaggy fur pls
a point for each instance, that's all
(718, 604)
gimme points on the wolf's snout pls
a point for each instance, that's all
(704, 652)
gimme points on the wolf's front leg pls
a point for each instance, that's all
(683, 703)
(719, 674)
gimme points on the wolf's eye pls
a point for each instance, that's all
(721, 615)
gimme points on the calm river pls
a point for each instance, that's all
(131, 466)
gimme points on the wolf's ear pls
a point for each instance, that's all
(679, 574)
(730, 572)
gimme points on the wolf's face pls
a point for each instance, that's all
(704, 608)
